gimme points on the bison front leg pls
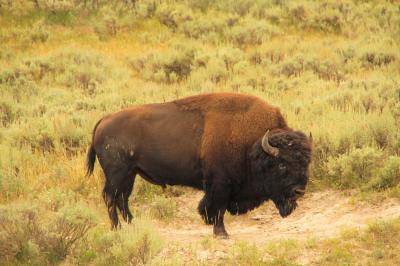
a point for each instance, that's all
(219, 227)
(212, 208)
(204, 209)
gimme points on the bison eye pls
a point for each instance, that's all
(282, 167)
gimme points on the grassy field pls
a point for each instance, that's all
(333, 67)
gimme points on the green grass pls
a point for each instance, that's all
(331, 66)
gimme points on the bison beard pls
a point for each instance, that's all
(285, 206)
(242, 207)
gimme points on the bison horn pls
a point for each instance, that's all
(267, 147)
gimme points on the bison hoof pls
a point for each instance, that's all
(220, 233)
(129, 219)
(115, 227)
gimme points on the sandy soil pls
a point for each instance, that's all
(319, 215)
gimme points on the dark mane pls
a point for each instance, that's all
(295, 146)
(251, 195)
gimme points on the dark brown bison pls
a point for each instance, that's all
(236, 148)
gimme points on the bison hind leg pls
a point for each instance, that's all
(116, 176)
(109, 199)
(125, 189)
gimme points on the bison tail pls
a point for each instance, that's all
(91, 155)
(91, 159)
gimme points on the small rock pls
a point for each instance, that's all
(256, 218)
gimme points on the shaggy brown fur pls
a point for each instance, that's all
(210, 142)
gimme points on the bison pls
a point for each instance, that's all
(237, 148)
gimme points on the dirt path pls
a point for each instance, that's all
(319, 215)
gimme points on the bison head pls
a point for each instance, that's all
(280, 163)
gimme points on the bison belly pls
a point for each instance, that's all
(168, 147)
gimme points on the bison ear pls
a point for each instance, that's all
(268, 148)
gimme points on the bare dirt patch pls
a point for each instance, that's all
(319, 215)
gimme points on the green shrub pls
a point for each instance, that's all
(71, 224)
(330, 20)
(324, 17)
(8, 113)
(346, 54)
(73, 138)
(145, 9)
(342, 100)
(57, 5)
(18, 83)
(338, 255)
(38, 139)
(173, 66)
(109, 24)
(202, 26)
(239, 7)
(173, 16)
(201, 5)
(241, 67)
(84, 69)
(293, 67)
(39, 33)
(369, 102)
(251, 32)
(376, 59)
(6, 54)
(298, 15)
(145, 191)
(231, 56)
(64, 12)
(216, 70)
(163, 208)
(201, 58)
(328, 71)
(383, 131)
(18, 228)
(354, 168)
(388, 176)
(56, 198)
(11, 183)
(266, 57)
(245, 254)
(384, 232)
(25, 238)
(137, 244)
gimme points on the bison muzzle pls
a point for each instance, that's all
(236, 148)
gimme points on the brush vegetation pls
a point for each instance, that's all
(331, 66)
